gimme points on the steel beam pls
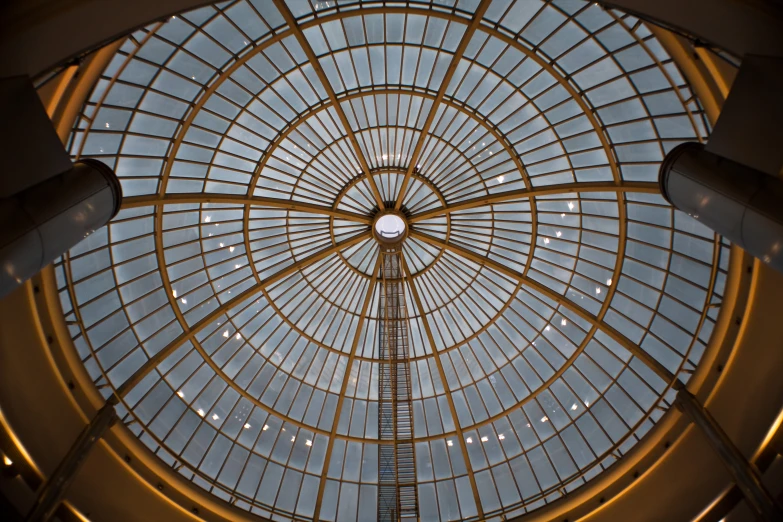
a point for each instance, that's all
(190, 333)
(745, 474)
(397, 488)
(341, 398)
(458, 52)
(619, 338)
(56, 486)
(232, 199)
(550, 190)
(308, 50)
(442, 374)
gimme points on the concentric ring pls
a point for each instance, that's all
(553, 295)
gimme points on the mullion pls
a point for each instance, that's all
(398, 140)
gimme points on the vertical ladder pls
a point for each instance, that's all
(397, 495)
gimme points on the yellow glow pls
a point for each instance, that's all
(711, 505)
(7, 461)
(770, 435)
(78, 514)
(26, 456)
(53, 102)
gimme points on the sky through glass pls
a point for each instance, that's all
(233, 302)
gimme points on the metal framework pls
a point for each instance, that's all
(300, 37)
(476, 257)
(478, 15)
(53, 491)
(746, 476)
(397, 486)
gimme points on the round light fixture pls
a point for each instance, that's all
(390, 227)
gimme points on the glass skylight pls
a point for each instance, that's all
(390, 226)
(241, 271)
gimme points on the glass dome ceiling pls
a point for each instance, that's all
(553, 294)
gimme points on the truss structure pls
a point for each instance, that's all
(552, 296)
(397, 496)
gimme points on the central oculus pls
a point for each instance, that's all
(390, 227)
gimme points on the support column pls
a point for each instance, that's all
(745, 474)
(47, 219)
(736, 201)
(56, 486)
(47, 204)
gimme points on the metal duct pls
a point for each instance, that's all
(42, 222)
(736, 201)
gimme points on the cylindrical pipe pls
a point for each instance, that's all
(45, 220)
(736, 201)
